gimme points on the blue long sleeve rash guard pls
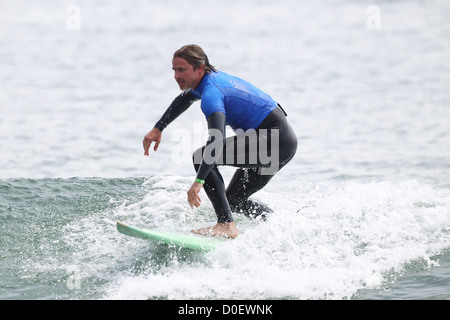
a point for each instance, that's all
(244, 105)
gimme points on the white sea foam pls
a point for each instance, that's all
(327, 243)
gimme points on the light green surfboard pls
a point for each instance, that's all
(189, 241)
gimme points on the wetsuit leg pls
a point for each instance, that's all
(245, 182)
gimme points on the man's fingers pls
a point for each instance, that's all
(194, 200)
(146, 144)
(153, 136)
(156, 146)
(196, 203)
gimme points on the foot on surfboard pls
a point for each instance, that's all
(225, 230)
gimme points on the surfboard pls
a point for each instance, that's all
(177, 239)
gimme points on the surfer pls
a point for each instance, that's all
(263, 144)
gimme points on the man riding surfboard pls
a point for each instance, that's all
(263, 144)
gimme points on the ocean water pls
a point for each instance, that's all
(361, 212)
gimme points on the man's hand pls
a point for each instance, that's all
(153, 136)
(193, 197)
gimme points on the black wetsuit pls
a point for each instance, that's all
(251, 151)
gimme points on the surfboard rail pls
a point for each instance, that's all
(190, 241)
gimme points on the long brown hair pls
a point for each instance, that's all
(195, 56)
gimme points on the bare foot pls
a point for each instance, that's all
(225, 230)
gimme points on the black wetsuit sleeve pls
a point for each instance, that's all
(177, 107)
(214, 146)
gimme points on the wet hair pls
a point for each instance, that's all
(195, 56)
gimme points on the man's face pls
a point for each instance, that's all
(185, 75)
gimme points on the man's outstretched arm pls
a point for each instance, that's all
(177, 107)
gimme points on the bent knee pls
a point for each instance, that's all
(234, 200)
